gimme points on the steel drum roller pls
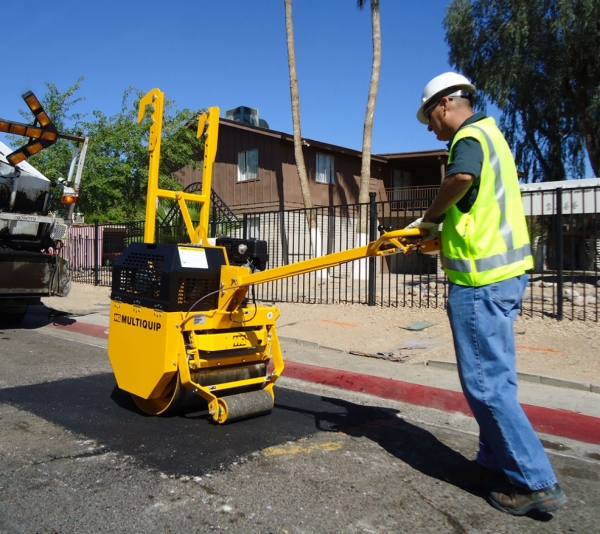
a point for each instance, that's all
(176, 399)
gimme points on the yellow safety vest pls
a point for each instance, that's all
(490, 243)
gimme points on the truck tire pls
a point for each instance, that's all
(12, 316)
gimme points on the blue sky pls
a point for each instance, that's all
(229, 53)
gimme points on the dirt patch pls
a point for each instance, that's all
(82, 300)
(565, 349)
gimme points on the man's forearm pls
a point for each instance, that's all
(452, 190)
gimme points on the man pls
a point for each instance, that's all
(485, 254)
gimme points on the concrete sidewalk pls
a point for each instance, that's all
(569, 412)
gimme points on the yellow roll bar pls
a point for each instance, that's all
(208, 130)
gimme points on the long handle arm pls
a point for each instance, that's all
(395, 242)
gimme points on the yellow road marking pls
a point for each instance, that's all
(299, 449)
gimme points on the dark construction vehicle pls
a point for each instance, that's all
(31, 235)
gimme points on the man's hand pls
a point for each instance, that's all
(432, 228)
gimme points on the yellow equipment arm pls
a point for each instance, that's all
(236, 280)
(394, 242)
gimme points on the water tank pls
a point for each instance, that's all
(246, 115)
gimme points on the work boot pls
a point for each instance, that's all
(519, 501)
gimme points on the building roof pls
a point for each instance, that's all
(419, 154)
(429, 155)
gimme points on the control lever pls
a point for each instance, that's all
(383, 229)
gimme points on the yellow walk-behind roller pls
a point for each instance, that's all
(170, 343)
(179, 330)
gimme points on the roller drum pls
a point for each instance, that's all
(244, 405)
(222, 375)
(177, 399)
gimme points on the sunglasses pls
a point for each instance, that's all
(429, 109)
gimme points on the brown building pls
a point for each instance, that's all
(255, 171)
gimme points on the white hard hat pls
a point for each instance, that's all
(447, 84)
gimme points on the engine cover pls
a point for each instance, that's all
(252, 250)
(168, 277)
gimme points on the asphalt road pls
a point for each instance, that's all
(77, 456)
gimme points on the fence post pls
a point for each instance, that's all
(245, 227)
(96, 244)
(372, 237)
(558, 256)
(213, 225)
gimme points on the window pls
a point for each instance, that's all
(248, 165)
(324, 169)
(401, 181)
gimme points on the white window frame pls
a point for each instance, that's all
(248, 165)
(325, 169)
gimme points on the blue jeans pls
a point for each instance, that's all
(482, 321)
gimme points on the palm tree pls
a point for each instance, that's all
(365, 171)
(295, 97)
(311, 219)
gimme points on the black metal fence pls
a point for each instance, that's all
(563, 225)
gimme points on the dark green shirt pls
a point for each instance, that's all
(467, 158)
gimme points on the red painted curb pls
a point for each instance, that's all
(387, 388)
(93, 330)
(563, 423)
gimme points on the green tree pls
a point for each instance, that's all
(537, 60)
(115, 174)
(116, 169)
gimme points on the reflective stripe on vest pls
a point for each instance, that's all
(505, 229)
(491, 262)
(454, 264)
(512, 255)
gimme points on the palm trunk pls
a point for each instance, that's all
(311, 219)
(360, 267)
(295, 97)
(365, 171)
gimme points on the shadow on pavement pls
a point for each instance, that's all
(41, 315)
(191, 444)
(409, 443)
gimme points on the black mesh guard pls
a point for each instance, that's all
(152, 275)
